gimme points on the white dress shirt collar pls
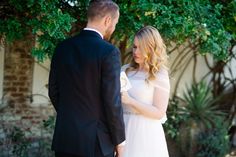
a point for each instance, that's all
(92, 29)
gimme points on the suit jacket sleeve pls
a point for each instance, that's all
(53, 91)
(111, 96)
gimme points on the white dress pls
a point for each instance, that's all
(145, 136)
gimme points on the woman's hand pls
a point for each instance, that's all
(126, 99)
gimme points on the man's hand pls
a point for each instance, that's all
(119, 151)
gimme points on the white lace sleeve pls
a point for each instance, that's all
(161, 94)
(124, 67)
(162, 81)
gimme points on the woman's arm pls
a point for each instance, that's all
(156, 111)
(160, 98)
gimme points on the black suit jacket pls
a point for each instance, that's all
(84, 87)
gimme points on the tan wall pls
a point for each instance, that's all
(187, 76)
(40, 80)
(232, 65)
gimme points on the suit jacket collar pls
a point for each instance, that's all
(90, 33)
(92, 29)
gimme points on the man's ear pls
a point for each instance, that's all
(107, 20)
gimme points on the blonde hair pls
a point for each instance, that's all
(153, 49)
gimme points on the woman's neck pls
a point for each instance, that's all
(142, 68)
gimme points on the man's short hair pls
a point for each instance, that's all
(100, 8)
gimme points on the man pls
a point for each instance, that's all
(84, 87)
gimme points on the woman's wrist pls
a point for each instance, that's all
(132, 102)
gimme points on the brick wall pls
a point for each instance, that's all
(18, 72)
(17, 91)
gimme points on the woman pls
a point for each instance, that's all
(146, 102)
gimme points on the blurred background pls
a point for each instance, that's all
(200, 36)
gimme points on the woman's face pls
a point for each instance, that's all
(137, 55)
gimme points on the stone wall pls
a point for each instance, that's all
(18, 72)
(30, 121)
(16, 109)
(1, 69)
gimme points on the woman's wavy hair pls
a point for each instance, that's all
(153, 49)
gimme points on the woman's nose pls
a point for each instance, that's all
(135, 52)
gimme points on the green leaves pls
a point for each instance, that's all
(175, 118)
(209, 24)
(214, 142)
(20, 149)
(44, 19)
(50, 27)
(177, 21)
(200, 105)
(11, 29)
(196, 124)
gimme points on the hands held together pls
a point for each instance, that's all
(126, 99)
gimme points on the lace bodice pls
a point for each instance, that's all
(156, 91)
